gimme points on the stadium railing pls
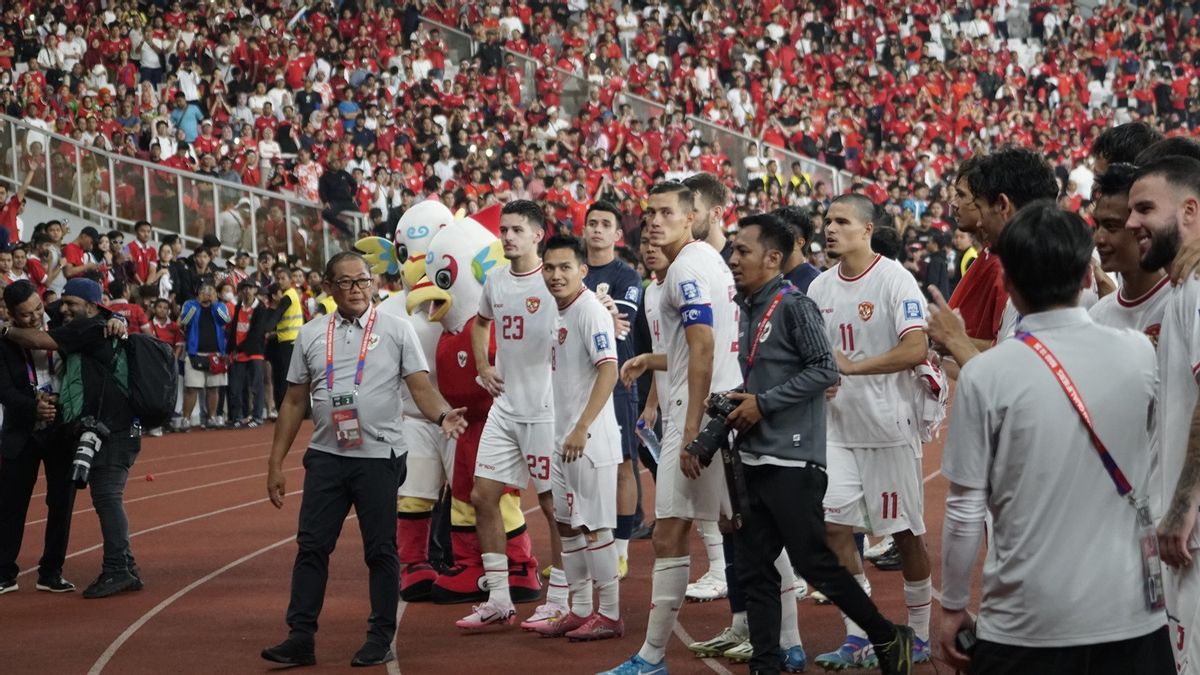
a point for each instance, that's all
(736, 145)
(114, 191)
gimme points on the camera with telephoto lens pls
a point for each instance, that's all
(92, 435)
(715, 434)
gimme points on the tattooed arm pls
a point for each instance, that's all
(1177, 524)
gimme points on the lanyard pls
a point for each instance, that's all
(32, 372)
(762, 326)
(362, 351)
(1123, 487)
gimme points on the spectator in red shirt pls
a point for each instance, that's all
(13, 206)
(142, 253)
(78, 262)
(133, 313)
(163, 328)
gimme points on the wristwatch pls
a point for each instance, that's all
(441, 418)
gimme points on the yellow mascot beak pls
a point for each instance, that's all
(413, 270)
(424, 291)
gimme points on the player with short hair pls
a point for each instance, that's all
(875, 318)
(1140, 301)
(699, 325)
(588, 451)
(1164, 203)
(619, 287)
(518, 437)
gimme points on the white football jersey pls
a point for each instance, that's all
(698, 288)
(653, 312)
(1178, 365)
(866, 316)
(1144, 314)
(524, 314)
(584, 340)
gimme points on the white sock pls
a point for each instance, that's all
(579, 580)
(623, 548)
(714, 546)
(602, 555)
(789, 628)
(495, 570)
(556, 592)
(666, 595)
(740, 623)
(851, 627)
(918, 595)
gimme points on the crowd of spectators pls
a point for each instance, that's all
(358, 106)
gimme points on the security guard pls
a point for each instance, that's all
(288, 318)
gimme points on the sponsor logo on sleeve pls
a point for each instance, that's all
(912, 309)
(691, 315)
(632, 293)
(600, 340)
(689, 289)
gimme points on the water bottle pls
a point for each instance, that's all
(649, 439)
(135, 431)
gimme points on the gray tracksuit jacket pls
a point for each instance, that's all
(792, 368)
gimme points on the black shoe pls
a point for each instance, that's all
(643, 532)
(372, 654)
(56, 585)
(8, 586)
(895, 657)
(111, 583)
(890, 560)
(292, 652)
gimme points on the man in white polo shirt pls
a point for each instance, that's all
(1020, 447)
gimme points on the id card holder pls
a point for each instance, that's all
(1152, 579)
(346, 427)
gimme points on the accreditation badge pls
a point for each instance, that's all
(346, 427)
(1152, 580)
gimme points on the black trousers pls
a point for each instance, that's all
(18, 475)
(333, 216)
(1146, 655)
(332, 484)
(280, 356)
(785, 512)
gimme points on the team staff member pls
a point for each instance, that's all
(27, 440)
(1030, 417)
(788, 365)
(609, 276)
(352, 366)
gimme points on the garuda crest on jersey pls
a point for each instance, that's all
(532, 304)
(866, 310)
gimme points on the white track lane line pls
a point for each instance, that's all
(165, 458)
(191, 468)
(164, 526)
(173, 492)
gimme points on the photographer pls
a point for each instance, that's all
(90, 400)
(780, 421)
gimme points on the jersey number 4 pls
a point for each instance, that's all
(847, 332)
(512, 327)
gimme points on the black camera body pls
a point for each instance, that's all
(715, 434)
(92, 434)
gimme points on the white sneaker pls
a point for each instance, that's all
(156, 432)
(819, 598)
(879, 548)
(707, 588)
(801, 588)
(543, 616)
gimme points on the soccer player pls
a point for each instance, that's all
(1164, 203)
(875, 318)
(699, 327)
(609, 276)
(588, 442)
(1143, 295)
(518, 437)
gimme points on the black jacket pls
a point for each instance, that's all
(17, 397)
(256, 338)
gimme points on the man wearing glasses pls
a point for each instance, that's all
(351, 365)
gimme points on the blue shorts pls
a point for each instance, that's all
(626, 406)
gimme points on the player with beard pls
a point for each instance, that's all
(1164, 203)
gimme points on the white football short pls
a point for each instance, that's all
(676, 495)
(585, 495)
(875, 490)
(1183, 615)
(430, 459)
(513, 452)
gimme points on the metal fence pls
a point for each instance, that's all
(736, 145)
(113, 191)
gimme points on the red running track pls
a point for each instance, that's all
(216, 559)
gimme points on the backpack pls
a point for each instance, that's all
(153, 379)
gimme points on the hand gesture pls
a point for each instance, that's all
(455, 423)
(747, 414)
(633, 369)
(489, 379)
(945, 324)
(574, 443)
